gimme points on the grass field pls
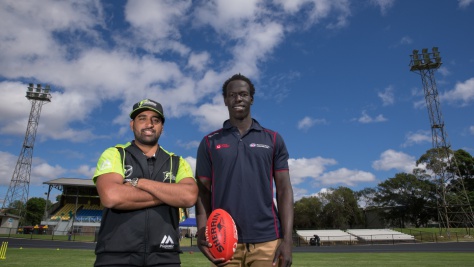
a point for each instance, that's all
(30, 257)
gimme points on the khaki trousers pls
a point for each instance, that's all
(254, 255)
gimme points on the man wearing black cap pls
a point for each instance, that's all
(142, 186)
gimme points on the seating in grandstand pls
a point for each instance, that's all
(379, 235)
(352, 236)
(327, 236)
(64, 212)
(84, 213)
(89, 213)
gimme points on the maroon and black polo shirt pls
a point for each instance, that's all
(241, 170)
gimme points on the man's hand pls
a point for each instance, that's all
(204, 246)
(283, 254)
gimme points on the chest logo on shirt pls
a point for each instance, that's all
(168, 177)
(219, 146)
(259, 145)
(127, 171)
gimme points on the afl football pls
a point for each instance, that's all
(221, 232)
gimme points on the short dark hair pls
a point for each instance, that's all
(235, 78)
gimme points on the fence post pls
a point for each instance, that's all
(3, 250)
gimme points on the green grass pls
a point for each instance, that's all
(16, 257)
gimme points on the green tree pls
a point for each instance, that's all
(15, 207)
(406, 198)
(458, 171)
(434, 160)
(341, 210)
(464, 166)
(35, 210)
(307, 213)
(366, 197)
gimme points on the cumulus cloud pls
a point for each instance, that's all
(384, 5)
(444, 71)
(387, 96)
(463, 93)
(84, 171)
(308, 122)
(7, 165)
(345, 177)
(406, 40)
(42, 171)
(394, 160)
(105, 70)
(418, 137)
(365, 118)
(465, 3)
(303, 168)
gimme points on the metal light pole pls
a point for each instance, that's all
(20, 182)
(453, 205)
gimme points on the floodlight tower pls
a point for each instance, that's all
(454, 209)
(19, 185)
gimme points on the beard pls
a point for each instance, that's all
(146, 140)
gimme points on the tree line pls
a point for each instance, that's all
(405, 199)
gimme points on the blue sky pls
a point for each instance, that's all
(332, 76)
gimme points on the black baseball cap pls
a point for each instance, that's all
(147, 104)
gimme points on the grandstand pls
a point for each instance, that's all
(78, 210)
(354, 236)
(380, 235)
(327, 237)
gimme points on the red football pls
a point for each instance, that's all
(221, 232)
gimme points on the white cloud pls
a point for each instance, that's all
(319, 9)
(383, 4)
(444, 71)
(365, 118)
(42, 171)
(406, 40)
(88, 71)
(7, 166)
(465, 3)
(308, 122)
(346, 177)
(462, 93)
(188, 145)
(387, 96)
(156, 24)
(299, 193)
(415, 138)
(199, 61)
(471, 130)
(85, 171)
(303, 168)
(394, 160)
(220, 14)
(210, 116)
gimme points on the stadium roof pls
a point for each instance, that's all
(71, 182)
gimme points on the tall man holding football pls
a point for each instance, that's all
(238, 168)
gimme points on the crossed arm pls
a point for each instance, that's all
(148, 193)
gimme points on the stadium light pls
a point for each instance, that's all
(436, 56)
(39, 93)
(416, 58)
(426, 56)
